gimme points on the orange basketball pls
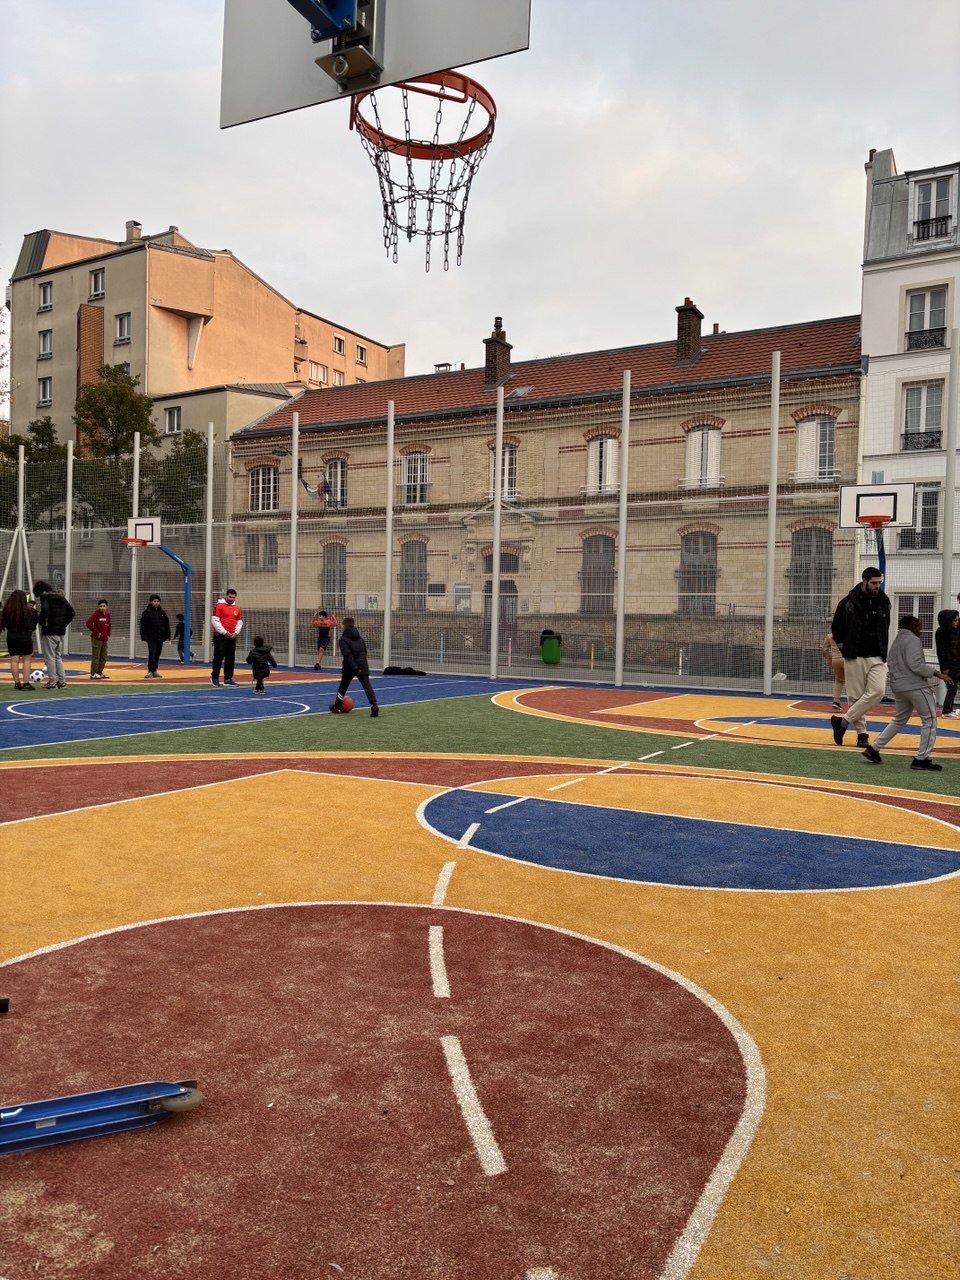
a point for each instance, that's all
(346, 704)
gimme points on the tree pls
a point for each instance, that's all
(173, 483)
(44, 477)
(108, 413)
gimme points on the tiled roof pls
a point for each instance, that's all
(817, 347)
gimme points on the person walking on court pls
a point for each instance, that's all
(56, 614)
(947, 643)
(913, 682)
(155, 629)
(834, 660)
(355, 666)
(227, 623)
(324, 624)
(98, 624)
(261, 659)
(19, 620)
(861, 627)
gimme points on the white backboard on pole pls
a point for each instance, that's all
(892, 500)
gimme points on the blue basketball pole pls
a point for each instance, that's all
(187, 594)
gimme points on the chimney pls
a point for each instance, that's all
(498, 355)
(133, 231)
(688, 332)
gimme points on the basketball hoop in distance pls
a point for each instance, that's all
(424, 181)
(135, 542)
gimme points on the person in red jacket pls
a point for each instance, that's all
(227, 623)
(98, 624)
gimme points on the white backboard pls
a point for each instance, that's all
(269, 60)
(895, 500)
(146, 527)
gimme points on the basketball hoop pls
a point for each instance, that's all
(874, 522)
(135, 542)
(425, 183)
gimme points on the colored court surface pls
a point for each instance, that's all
(483, 987)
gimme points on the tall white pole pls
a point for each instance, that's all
(22, 583)
(207, 553)
(68, 549)
(294, 529)
(388, 543)
(134, 551)
(770, 600)
(622, 530)
(947, 582)
(497, 514)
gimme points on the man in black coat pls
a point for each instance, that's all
(861, 628)
(155, 629)
(355, 665)
(55, 615)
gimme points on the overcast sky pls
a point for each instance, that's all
(652, 151)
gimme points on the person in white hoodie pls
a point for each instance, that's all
(913, 683)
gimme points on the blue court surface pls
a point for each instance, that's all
(44, 718)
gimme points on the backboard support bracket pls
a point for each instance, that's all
(356, 58)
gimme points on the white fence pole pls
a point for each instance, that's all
(622, 529)
(134, 551)
(497, 513)
(770, 599)
(948, 583)
(205, 630)
(68, 548)
(388, 544)
(294, 530)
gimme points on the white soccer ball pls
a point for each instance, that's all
(38, 673)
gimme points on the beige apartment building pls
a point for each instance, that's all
(208, 338)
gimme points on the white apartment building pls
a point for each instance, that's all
(911, 280)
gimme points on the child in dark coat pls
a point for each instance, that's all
(261, 659)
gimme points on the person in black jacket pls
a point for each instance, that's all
(947, 643)
(355, 665)
(56, 614)
(155, 630)
(861, 628)
(261, 659)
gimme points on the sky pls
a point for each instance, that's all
(643, 153)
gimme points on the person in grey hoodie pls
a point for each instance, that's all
(913, 683)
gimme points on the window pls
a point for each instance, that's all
(338, 378)
(97, 283)
(922, 415)
(811, 573)
(508, 488)
(46, 296)
(703, 458)
(46, 344)
(697, 575)
(44, 391)
(921, 606)
(933, 209)
(318, 372)
(361, 382)
(261, 549)
(926, 319)
(413, 575)
(172, 421)
(86, 528)
(603, 472)
(335, 487)
(60, 531)
(265, 489)
(333, 589)
(816, 448)
(339, 346)
(509, 562)
(924, 536)
(361, 353)
(123, 327)
(415, 488)
(597, 574)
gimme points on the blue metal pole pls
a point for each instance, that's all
(187, 596)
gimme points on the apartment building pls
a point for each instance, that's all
(209, 339)
(911, 279)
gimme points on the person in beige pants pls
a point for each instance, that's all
(861, 627)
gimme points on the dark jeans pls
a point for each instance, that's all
(351, 673)
(154, 649)
(950, 692)
(225, 652)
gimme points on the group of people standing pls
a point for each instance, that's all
(20, 617)
(860, 631)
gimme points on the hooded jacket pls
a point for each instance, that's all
(947, 640)
(861, 624)
(354, 650)
(261, 659)
(907, 666)
(56, 614)
(154, 623)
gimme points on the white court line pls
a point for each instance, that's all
(542, 1273)
(443, 883)
(464, 841)
(570, 783)
(478, 1126)
(497, 807)
(438, 968)
(682, 744)
(640, 759)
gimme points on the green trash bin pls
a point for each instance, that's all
(550, 642)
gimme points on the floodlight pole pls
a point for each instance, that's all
(770, 600)
(947, 583)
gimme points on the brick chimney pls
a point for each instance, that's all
(498, 355)
(134, 231)
(688, 332)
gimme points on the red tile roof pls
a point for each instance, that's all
(816, 347)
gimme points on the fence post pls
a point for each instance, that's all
(771, 524)
(388, 544)
(134, 551)
(497, 513)
(68, 549)
(622, 529)
(294, 529)
(950, 476)
(208, 553)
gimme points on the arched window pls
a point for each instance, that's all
(335, 489)
(697, 576)
(816, 448)
(413, 575)
(334, 586)
(811, 573)
(415, 485)
(603, 465)
(597, 574)
(264, 489)
(508, 487)
(703, 458)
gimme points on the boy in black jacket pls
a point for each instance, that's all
(355, 665)
(261, 659)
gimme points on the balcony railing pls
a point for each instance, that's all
(911, 440)
(931, 228)
(924, 339)
(918, 540)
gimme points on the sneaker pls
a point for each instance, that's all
(872, 754)
(230, 682)
(215, 682)
(316, 666)
(28, 685)
(335, 708)
(374, 712)
(839, 727)
(930, 766)
(101, 676)
(48, 685)
(952, 715)
(61, 684)
(863, 740)
(837, 706)
(18, 686)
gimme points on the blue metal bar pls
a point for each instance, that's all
(327, 18)
(87, 1115)
(187, 598)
